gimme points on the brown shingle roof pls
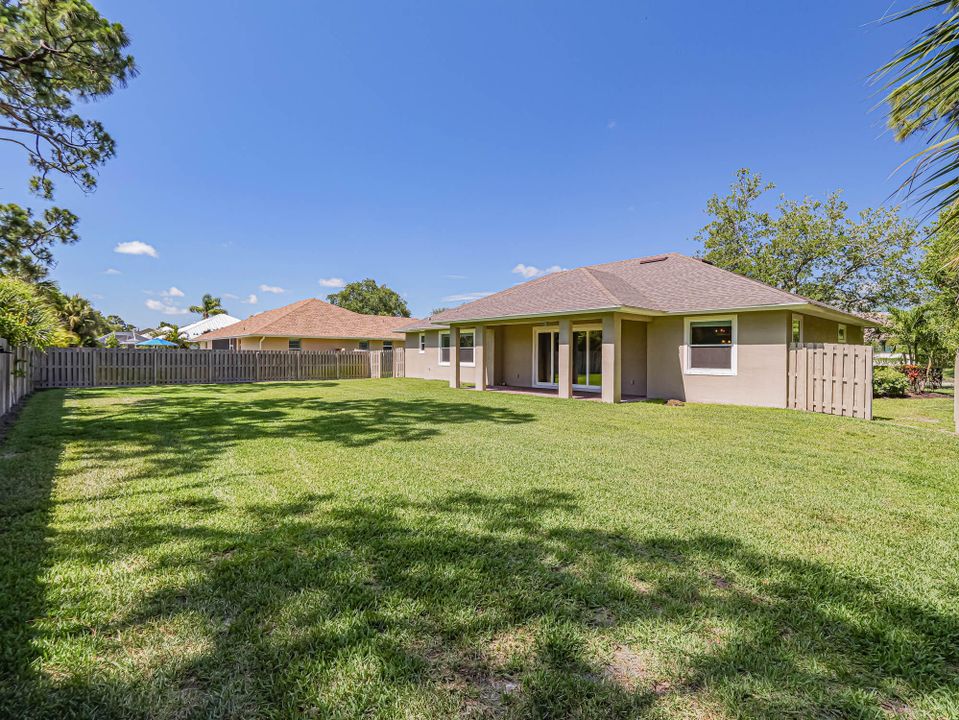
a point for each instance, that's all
(313, 318)
(670, 283)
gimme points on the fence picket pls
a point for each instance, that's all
(830, 378)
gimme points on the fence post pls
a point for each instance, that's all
(337, 366)
(93, 368)
(155, 361)
(209, 367)
(256, 366)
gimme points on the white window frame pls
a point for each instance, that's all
(360, 343)
(802, 329)
(422, 343)
(842, 333)
(584, 327)
(439, 348)
(387, 345)
(688, 350)
(297, 340)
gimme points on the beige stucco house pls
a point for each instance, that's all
(309, 324)
(667, 326)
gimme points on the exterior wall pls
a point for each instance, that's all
(322, 344)
(516, 345)
(426, 364)
(634, 358)
(820, 330)
(760, 377)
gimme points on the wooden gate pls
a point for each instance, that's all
(835, 379)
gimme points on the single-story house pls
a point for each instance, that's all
(194, 330)
(667, 326)
(125, 339)
(309, 324)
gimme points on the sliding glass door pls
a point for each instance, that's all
(587, 358)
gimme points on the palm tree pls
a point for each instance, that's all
(80, 318)
(922, 84)
(171, 333)
(909, 330)
(208, 306)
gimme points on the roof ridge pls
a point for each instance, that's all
(590, 272)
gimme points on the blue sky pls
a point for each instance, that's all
(266, 147)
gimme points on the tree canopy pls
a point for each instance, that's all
(53, 53)
(813, 247)
(25, 317)
(208, 306)
(369, 298)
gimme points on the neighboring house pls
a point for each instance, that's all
(125, 339)
(308, 325)
(215, 322)
(667, 326)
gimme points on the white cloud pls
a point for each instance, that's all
(332, 282)
(455, 277)
(165, 309)
(135, 247)
(276, 290)
(112, 271)
(231, 296)
(466, 297)
(531, 271)
(172, 292)
(251, 299)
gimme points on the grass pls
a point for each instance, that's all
(394, 548)
(926, 414)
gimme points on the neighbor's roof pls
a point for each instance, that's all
(214, 322)
(660, 284)
(312, 318)
(124, 337)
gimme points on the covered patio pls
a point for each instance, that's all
(600, 357)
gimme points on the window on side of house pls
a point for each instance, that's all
(465, 350)
(387, 344)
(841, 333)
(444, 348)
(797, 329)
(422, 342)
(295, 344)
(364, 345)
(711, 346)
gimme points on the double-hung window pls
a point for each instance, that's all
(294, 344)
(387, 344)
(711, 345)
(422, 342)
(364, 345)
(465, 350)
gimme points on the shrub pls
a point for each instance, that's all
(25, 317)
(889, 382)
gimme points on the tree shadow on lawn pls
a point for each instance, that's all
(185, 433)
(482, 605)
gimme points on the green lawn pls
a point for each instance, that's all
(394, 548)
(927, 414)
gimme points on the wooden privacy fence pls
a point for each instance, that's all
(830, 378)
(16, 375)
(99, 367)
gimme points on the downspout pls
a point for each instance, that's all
(262, 338)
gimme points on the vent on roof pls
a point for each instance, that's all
(658, 258)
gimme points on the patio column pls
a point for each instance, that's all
(565, 358)
(454, 357)
(612, 359)
(479, 357)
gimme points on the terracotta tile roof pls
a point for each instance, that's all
(670, 283)
(313, 318)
